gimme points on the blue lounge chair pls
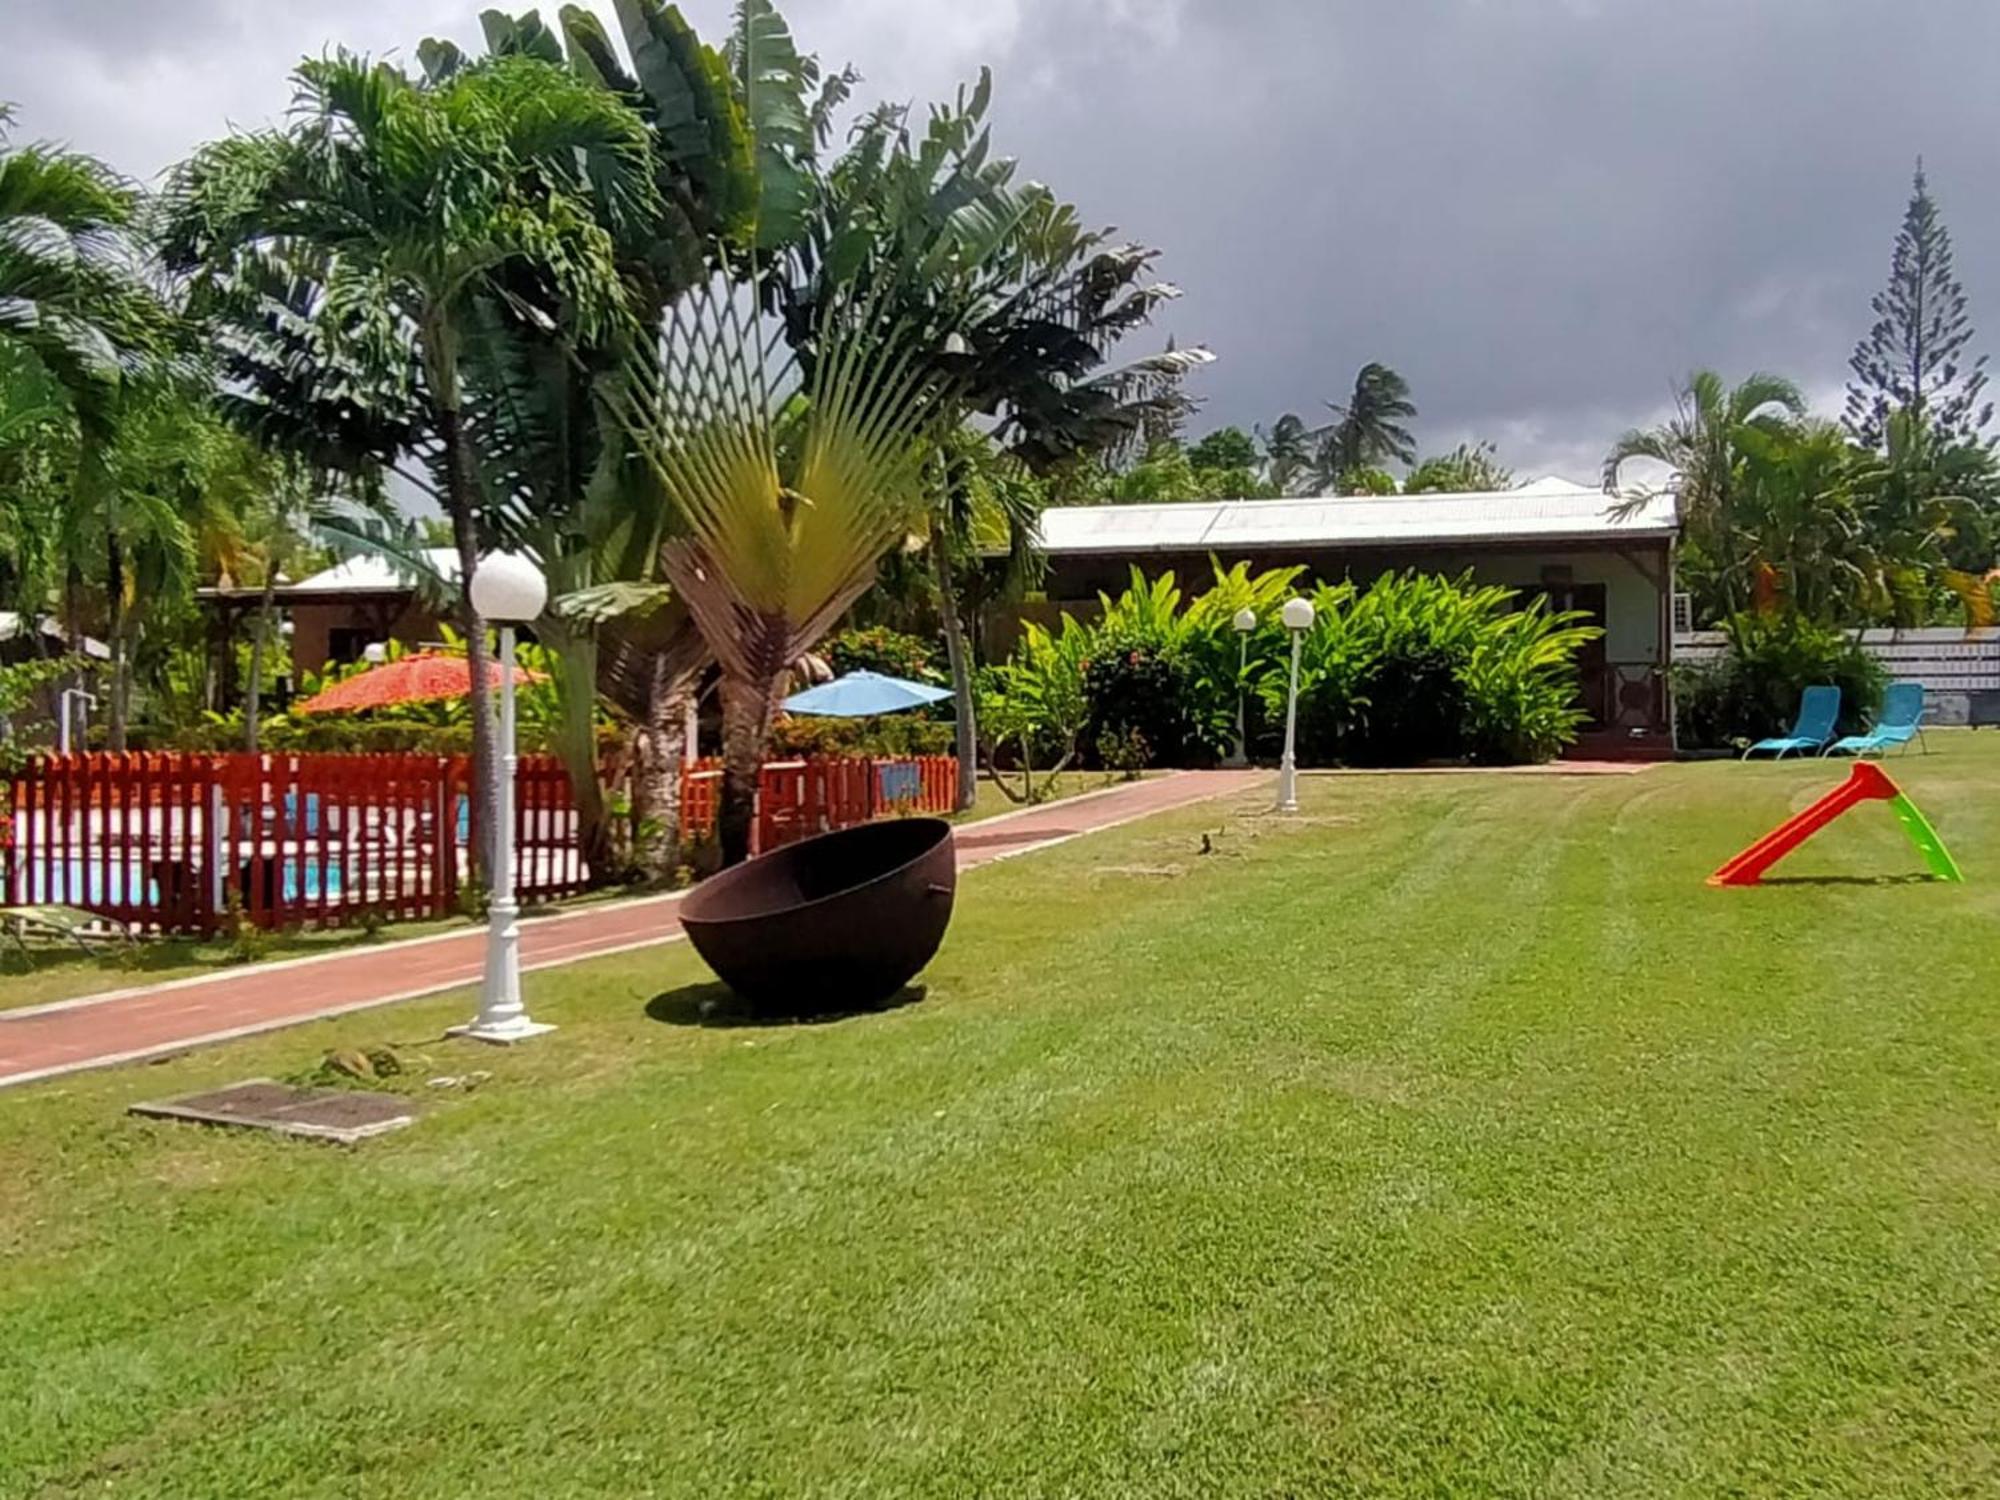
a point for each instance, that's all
(1819, 711)
(1901, 720)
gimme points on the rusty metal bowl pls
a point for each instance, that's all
(836, 922)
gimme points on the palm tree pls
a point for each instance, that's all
(1011, 304)
(1368, 429)
(1288, 452)
(790, 484)
(77, 304)
(1915, 499)
(1702, 444)
(381, 215)
(562, 480)
(1802, 533)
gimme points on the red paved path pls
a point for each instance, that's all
(41, 1041)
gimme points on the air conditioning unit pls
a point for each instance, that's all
(1683, 614)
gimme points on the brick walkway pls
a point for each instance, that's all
(42, 1041)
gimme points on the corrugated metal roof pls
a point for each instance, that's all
(368, 574)
(1549, 510)
(88, 645)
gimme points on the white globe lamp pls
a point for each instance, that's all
(508, 589)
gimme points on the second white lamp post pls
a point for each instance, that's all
(508, 590)
(1243, 624)
(1298, 617)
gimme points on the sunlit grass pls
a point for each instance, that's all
(1452, 1138)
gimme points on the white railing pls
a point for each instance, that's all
(1952, 664)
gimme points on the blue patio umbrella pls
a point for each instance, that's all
(861, 695)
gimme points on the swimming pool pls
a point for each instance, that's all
(95, 883)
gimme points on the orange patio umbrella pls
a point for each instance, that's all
(419, 678)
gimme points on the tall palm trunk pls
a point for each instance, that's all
(957, 649)
(460, 499)
(114, 571)
(656, 779)
(748, 708)
(576, 687)
(253, 694)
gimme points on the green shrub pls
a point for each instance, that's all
(1126, 753)
(1753, 691)
(1418, 667)
(890, 652)
(1413, 668)
(1139, 691)
(1194, 667)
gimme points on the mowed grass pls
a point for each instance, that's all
(1450, 1139)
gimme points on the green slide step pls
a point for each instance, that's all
(1942, 865)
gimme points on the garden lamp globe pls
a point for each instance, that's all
(508, 589)
(1298, 618)
(1245, 621)
(375, 653)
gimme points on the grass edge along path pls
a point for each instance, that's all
(55, 973)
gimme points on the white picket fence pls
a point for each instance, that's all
(1960, 671)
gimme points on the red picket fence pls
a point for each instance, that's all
(799, 798)
(116, 834)
(548, 860)
(181, 843)
(175, 843)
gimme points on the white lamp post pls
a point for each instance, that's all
(375, 653)
(1298, 617)
(508, 590)
(1244, 623)
(72, 704)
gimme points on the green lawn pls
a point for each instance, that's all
(1450, 1139)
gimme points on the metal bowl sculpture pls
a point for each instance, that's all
(838, 922)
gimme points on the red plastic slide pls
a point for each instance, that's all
(1866, 783)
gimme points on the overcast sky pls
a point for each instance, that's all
(1542, 212)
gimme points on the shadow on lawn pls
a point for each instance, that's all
(717, 1005)
(1916, 879)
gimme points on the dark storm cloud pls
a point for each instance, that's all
(1542, 212)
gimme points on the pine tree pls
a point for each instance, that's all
(1912, 358)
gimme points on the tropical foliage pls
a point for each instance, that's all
(1781, 512)
(1470, 468)
(1410, 668)
(741, 364)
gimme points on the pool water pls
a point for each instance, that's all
(89, 883)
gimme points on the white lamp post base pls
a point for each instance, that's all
(501, 1033)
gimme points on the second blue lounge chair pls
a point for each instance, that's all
(1819, 712)
(1900, 721)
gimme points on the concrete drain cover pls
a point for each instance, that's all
(340, 1115)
